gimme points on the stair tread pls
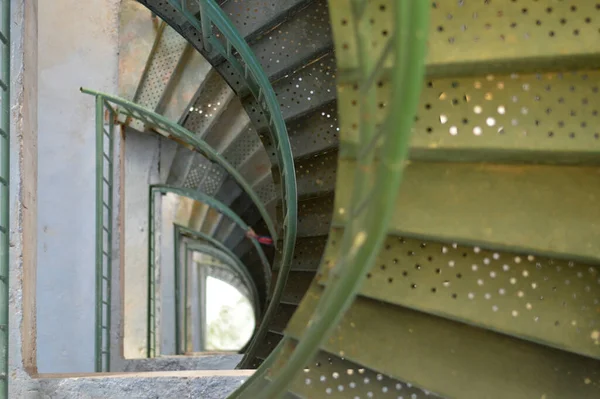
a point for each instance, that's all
(165, 57)
(282, 317)
(545, 300)
(291, 44)
(268, 344)
(450, 358)
(536, 209)
(211, 101)
(296, 286)
(331, 376)
(299, 93)
(490, 37)
(549, 117)
(315, 176)
(314, 216)
(307, 253)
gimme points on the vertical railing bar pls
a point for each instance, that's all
(151, 294)
(185, 301)
(111, 154)
(206, 28)
(176, 266)
(4, 201)
(99, 233)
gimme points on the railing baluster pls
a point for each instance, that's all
(206, 28)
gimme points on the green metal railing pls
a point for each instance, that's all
(219, 251)
(180, 134)
(380, 162)
(4, 193)
(221, 256)
(196, 196)
(241, 58)
(108, 109)
(105, 142)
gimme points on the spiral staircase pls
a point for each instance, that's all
(477, 276)
(486, 284)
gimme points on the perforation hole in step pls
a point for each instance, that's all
(332, 376)
(314, 216)
(535, 28)
(316, 174)
(197, 172)
(295, 40)
(308, 252)
(214, 97)
(213, 179)
(244, 145)
(266, 190)
(550, 109)
(309, 88)
(166, 57)
(553, 300)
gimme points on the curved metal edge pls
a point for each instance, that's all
(219, 206)
(210, 201)
(364, 235)
(191, 139)
(238, 266)
(278, 130)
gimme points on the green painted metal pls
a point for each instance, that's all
(229, 259)
(552, 205)
(544, 300)
(375, 184)
(105, 143)
(177, 278)
(330, 375)
(179, 133)
(211, 202)
(233, 262)
(231, 45)
(455, 360)
(4, 194)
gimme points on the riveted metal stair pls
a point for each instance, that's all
(486, 283)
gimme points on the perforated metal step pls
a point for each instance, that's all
(450, 358)
(164, 58)
(535, 209)
(307, 253)
(545, 300)
(290, 45)
(331, 376)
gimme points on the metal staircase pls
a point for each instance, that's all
(478, 277)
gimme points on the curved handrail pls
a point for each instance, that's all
(229, 258)
(239, 55)
(370, 209)
(178, 132)
(200, 197)
(236, 264)
(4, 194)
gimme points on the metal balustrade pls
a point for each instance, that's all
(211, 202)
(4, 192)
(108, 110)
(232, 46)
(217, 250)
(381, 156)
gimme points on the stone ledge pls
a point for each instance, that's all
(175, 363)
(216, 384)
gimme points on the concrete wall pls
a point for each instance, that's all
(78, 46)
(141, 152)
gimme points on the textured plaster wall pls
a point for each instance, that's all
(78, 46)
